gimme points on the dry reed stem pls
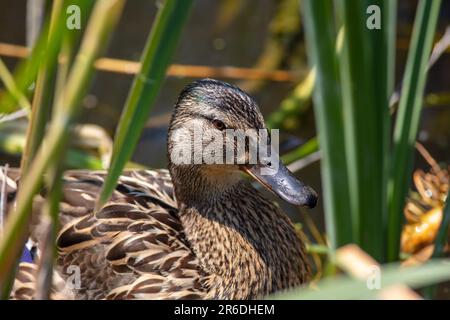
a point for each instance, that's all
(175, 70)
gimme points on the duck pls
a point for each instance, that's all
(192, 231)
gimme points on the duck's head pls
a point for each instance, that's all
(212, 137)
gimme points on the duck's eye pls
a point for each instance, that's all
(219, 125)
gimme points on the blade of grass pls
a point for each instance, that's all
(67, 53)
(10, 85)
(344, 287)
(34, 18)
(304, 150)
(408, 117)
(41, 104)
(383, 43)
(302, 163)
(317, 248)
(43, 51)
(389, 39)
(38, 115)
(104, 17)
(157, 54)
(42, 98)
(321, 48)
(363, 130)
(48, 249)
(53, 179)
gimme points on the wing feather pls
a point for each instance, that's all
(133, 248)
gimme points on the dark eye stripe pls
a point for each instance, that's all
(213, 120)
(210, 119)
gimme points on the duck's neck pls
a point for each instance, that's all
(247, 246)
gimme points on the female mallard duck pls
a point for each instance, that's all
(196, 231)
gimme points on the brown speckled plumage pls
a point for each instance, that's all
(219, 238)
